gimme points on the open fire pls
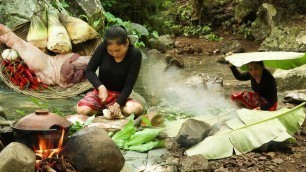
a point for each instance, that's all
(49, 158)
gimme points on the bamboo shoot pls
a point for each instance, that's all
(58, 38)
(78, 30)
(38, 31)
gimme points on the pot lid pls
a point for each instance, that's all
(42, 120)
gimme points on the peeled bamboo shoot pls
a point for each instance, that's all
(78, 30)
(38, 31)
(58, 38)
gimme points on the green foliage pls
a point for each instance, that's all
(78, 125)
(179, 21)
(132, 28)
(20, 112)
(172, 115)
(43, 104)
(62, 6)
(107, 4)
(246, 31)
(129, 138)
(138, 11)
(213, 37)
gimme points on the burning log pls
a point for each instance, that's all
(54, 165)
(48, 158)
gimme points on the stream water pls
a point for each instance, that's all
(154, 84)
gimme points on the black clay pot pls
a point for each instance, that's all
(41, 125)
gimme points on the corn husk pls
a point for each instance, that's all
(58, 37)
(38, 31)
(78, 30)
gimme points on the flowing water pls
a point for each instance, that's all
(155, 84)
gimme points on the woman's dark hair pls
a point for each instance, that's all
(117, 34)
(259, 62)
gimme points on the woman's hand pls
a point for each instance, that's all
(229, 64)
(103, 93)
(115, 110)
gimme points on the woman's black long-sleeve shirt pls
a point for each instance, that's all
(267, 87)
(115, 76)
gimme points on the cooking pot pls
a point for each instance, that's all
(41, 125)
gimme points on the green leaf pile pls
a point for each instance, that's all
(129, 138)
(249, 131)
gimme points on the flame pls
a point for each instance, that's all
(45, 147)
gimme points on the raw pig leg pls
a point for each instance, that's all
(47, 68)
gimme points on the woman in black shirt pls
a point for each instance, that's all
(119, 64)
(263, 84)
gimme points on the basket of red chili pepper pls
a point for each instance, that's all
(17, 75)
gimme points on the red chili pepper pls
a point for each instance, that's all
(36, 82)
(22, 79)
(3, 63)
(34, 87)
(13, 80)
(28, 72)
(44, 85)
(20, 67)
(27, 80)
(15, 75)
(11, 68)
(21, 85)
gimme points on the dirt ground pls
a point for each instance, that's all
(289, 157)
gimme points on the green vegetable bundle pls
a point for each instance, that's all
(131, 139)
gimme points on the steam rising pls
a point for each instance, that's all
(170, 87)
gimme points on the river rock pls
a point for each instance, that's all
(16, 12)
(195, 163)
(232, 46)
(91, 149)
(293, 79)
(192, 132)
(17, 157)
(295, 96)
(162, 43)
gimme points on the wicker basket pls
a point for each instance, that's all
(84, 49)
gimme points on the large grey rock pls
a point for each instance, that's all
(17, 157)
(91, 149)
(285, 38)
(92, 9)
(162, 43)
(293, 79)
(232, 46)
(245, 9)
(264, 22)
(16, 12)
(192, 132)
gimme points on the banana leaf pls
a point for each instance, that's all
(281, 60)
(250, 130)
(147, 146)
(144, 136)
(125, 133)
